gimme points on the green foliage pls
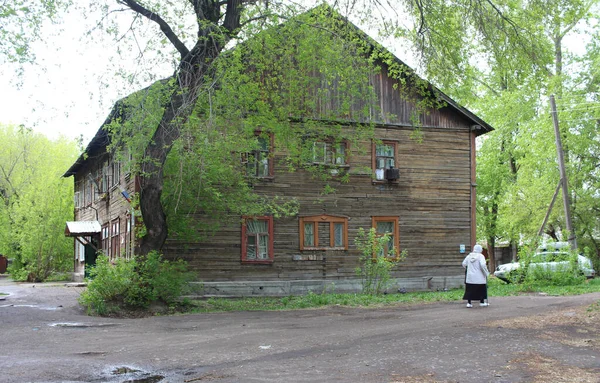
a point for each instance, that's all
(36, 201)
(22, 21)
(134, 284)
(375, 265)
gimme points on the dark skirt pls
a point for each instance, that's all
(475, 292)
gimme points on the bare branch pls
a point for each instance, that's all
(164, 26)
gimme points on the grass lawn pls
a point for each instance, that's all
(495, 288)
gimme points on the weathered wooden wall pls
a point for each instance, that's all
(432, 200)
(105, 207)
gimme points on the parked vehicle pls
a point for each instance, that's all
(552, 257)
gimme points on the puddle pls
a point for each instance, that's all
(150, 379)
(81, 325)
(134, 375)
(34, 307)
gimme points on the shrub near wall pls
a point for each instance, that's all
(134, 285)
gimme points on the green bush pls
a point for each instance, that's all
(134, 284)
(375, 267)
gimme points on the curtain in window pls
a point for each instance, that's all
(309, 234)
(387, 228)
(257, 230)
(257, 226)
(263, 246)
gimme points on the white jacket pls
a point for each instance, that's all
(477, 271)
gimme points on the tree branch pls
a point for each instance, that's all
(164, 26)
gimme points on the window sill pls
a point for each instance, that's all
(323, 249)
(259, 262)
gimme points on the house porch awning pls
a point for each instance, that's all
(82, 228)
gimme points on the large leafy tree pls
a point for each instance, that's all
(22, 22)
(199, 31)
(509, 84)
(35, 202)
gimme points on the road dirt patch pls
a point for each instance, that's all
(577, 327)
(544, 369)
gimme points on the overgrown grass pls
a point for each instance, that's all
(496, 288)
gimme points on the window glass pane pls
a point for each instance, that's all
(389, 163)
(309, 235)
(263, 143)
(251, 247)
(385, 227)
(263, 164)
(340, 155)
(339, 234)
(319, 152)
(263, 246)
(385, 150)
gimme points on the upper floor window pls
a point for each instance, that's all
(384, 157)
(388, 225)
(329, 153)
(323, 232)
(257, 239)
(259, 162)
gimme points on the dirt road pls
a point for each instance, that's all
(46, 337)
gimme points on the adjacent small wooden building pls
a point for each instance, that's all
(421, 191)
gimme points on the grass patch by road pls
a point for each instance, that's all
(311, 300)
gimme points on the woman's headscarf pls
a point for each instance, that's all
(477, 249)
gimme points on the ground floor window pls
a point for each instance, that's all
(105, 237)
(388, 225)
(321, 232)
(257, 239)
(115, 238)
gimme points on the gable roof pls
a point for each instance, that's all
(101, 140)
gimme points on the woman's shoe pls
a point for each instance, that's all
(469, 305)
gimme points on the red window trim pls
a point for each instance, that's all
(270, 226)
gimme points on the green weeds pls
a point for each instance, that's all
(496, 288)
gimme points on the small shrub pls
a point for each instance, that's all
(133, 284)
(375, 267)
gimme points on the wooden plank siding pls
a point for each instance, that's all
(432, 200)
(106, 207)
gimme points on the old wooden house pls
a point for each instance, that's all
(421, 191)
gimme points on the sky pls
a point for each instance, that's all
(74, 83)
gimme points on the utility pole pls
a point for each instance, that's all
(563, 175)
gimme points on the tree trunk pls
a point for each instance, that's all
(177, 111)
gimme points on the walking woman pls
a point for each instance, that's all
(476, 277)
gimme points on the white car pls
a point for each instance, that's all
(548, 260)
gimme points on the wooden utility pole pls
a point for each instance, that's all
(563, 175)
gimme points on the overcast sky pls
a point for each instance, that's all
(66, 92)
